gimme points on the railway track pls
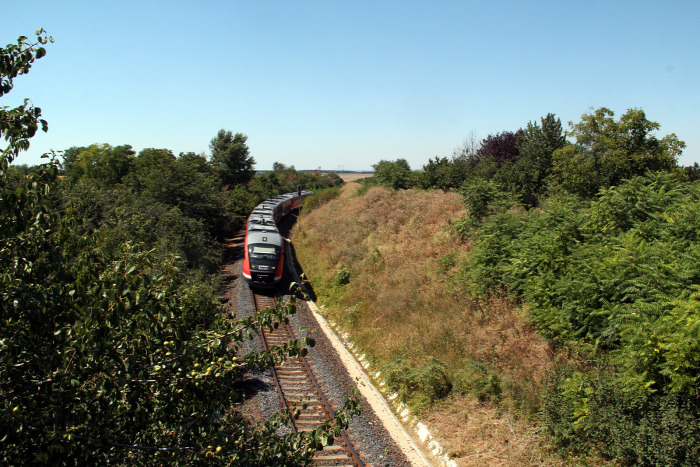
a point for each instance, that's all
(297, 385)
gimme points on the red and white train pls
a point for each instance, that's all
(263, 261)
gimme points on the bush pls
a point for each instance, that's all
(365, 185)
(487, 268)
(418, 387)
(477, 380)
(619, 276)
(396, 174)
(590, 412)
(320, 197)
(342, 277)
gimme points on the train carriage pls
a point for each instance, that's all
(263, 261)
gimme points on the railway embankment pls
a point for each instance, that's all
(381, 264)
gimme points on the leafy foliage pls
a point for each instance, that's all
(103, 164)
(616, 278)
(287, 179)
(532, 170)
(501, 147)
(231, 157)
(321, 197)
(483, 197)
(19, 124)
(608, 151)
(111, 352)
(443, 173)
(692, 172)
(393, 174)
(476, 379)
(419, 387)
(588, 411)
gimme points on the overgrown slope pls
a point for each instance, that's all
(382, 264)
(611, 285)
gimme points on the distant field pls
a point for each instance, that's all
(351, 177)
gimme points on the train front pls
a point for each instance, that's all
(264, 256)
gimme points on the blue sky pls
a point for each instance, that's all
(344, 84)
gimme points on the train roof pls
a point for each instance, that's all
(263, 213)
(260, 224)
(266, 221)
(266, 238)
(273, 202)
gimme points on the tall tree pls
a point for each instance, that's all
(607, 151)
(102, 163)
(537, 143)
(231, 157)
(501, 147)
(444, 173)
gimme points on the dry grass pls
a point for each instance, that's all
(352, 177)
(399, 304)
(479, 435)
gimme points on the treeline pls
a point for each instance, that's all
(530, 164)
(114, 348)
(181, 205)
(598, 237)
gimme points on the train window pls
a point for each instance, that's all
(264, 250)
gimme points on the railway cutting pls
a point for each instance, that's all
(319, 381)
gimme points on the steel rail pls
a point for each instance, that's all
(357, 461)
(350, 446)
(274, 372)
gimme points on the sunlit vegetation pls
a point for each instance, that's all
(383, 266)
(544, 283)
(550, 275)
(615, 283)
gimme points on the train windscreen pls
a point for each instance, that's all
(264, 250)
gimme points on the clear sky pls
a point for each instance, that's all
(344, 84)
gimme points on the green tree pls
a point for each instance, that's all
(607, 151)
(174, 203)
(231, 157)
(537, 143)
(280, 167)
(153, 174)
(70, 155)
(394, 174)
(19, 124)
(692, 172)
(101, 163)
(444, 173)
